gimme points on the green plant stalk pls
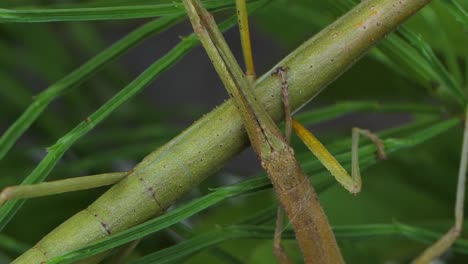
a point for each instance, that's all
(258, 184)
(169, 172)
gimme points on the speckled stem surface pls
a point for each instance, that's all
(204, 147)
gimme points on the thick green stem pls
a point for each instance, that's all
(166, 174)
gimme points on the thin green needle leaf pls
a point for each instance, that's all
(337, 147)
(249, 186)
(185, 231)
(414, 58)
(343, 108)
(106, 157)
(76, 77)
(402, 54)
(410, 232)
(105, 13)
(210, 239)
(458, 11)
(443, 76)
(12, 245)
(119, 135)
(56, 151)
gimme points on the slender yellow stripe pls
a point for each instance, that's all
(325, 157)
(242, 17)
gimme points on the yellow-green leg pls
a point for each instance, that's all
(351, 183)
(60, 186)
(243, 20)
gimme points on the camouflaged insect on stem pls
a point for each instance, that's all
(210, 142)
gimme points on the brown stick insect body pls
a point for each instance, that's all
(294, 191)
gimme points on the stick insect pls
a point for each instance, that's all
(259, 125)
(139, 172)
(297, 196)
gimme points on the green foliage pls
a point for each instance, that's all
(406, 201)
